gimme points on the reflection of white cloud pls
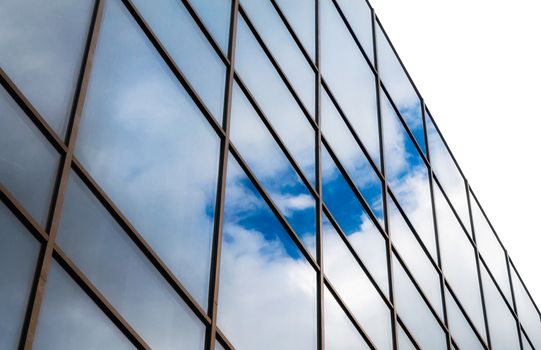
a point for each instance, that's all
(288, 204)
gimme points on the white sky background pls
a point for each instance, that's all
(477, 64)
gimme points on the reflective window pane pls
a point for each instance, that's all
(415, 313)
(70, 320)
(267, 287)
(147, 145)
(447, 173)
(399, 87)
(414, 257)
(340, 334)
(355, 289)
(349, 78)
(459, 261)
(18, 255)
(217, 16)
(41, 49)
(219, 346)
(407, 175)
(350, 155)
(461, 331)
(359, 17)
(272, 168)
(527, 313)
(404, 343)
(525, 343)
(28, 162)
(189, 48)
(354, 221)
(490, 249)
(502, 325)
(301, 15)
(121, 272)
(275, 100)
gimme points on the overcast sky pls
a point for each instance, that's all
(477, 64)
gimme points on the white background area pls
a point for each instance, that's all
(477, 64)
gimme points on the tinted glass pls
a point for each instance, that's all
(113, 263)
(274, 99)
(415, 313)
(288, 55)
(70, 320)
(349, 78)
(41, 50)
(527, 312)
(407, 175)
(340, 334)
(418, 263)
(459, 261)
(354, 221)
(189, 48)
(359, 17)
(216, 15)
(355, 288)
(447, 173)
(28, 162)
(148, 146)
(350, 155)
(267, 287)
(18, 255)
(502, 325)
(400, 88)
(273, 169)
(301, 16)
(461, 330)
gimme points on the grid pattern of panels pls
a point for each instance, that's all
(234, 174)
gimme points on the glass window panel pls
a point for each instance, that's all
(404, 342)
(147, 145)
(355, 289)
(459, 261)
(274, 99)
(219, 346)
(501, 323)
(28, 162)
(525, 343)
(273, 169)
(18, 255)
(349, 77)
(460, 329)
(189, 48)
(340, 334)
(354, 221)
(490, 249)
(400, 88)
(527, 313)
(407, 175)
(267, 287)
(70, 320)
(113, 263)
(414, 257)
(414, 312)
(350, 155)
(217, 16)
(359, 17)
(301, 15)
(41, 49)
(286, 52)
(447, 173)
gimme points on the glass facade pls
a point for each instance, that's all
(234, 174)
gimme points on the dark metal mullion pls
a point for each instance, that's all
(214, 284)
(276, 136)
(99, 299)
(139, 241)
(276, 66)
(407, 332)
(524, 286)
(513, 299)
(527, 337)
(355, 255)
(223, 340)
(349, 313)
(29, 328)
(32, 113)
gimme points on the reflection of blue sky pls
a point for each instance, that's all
(300, 15)
(271, 167)
(147, 145)
(267, 288)
(359, 17)
(45, 60)
(216, 16)
(18, 256)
